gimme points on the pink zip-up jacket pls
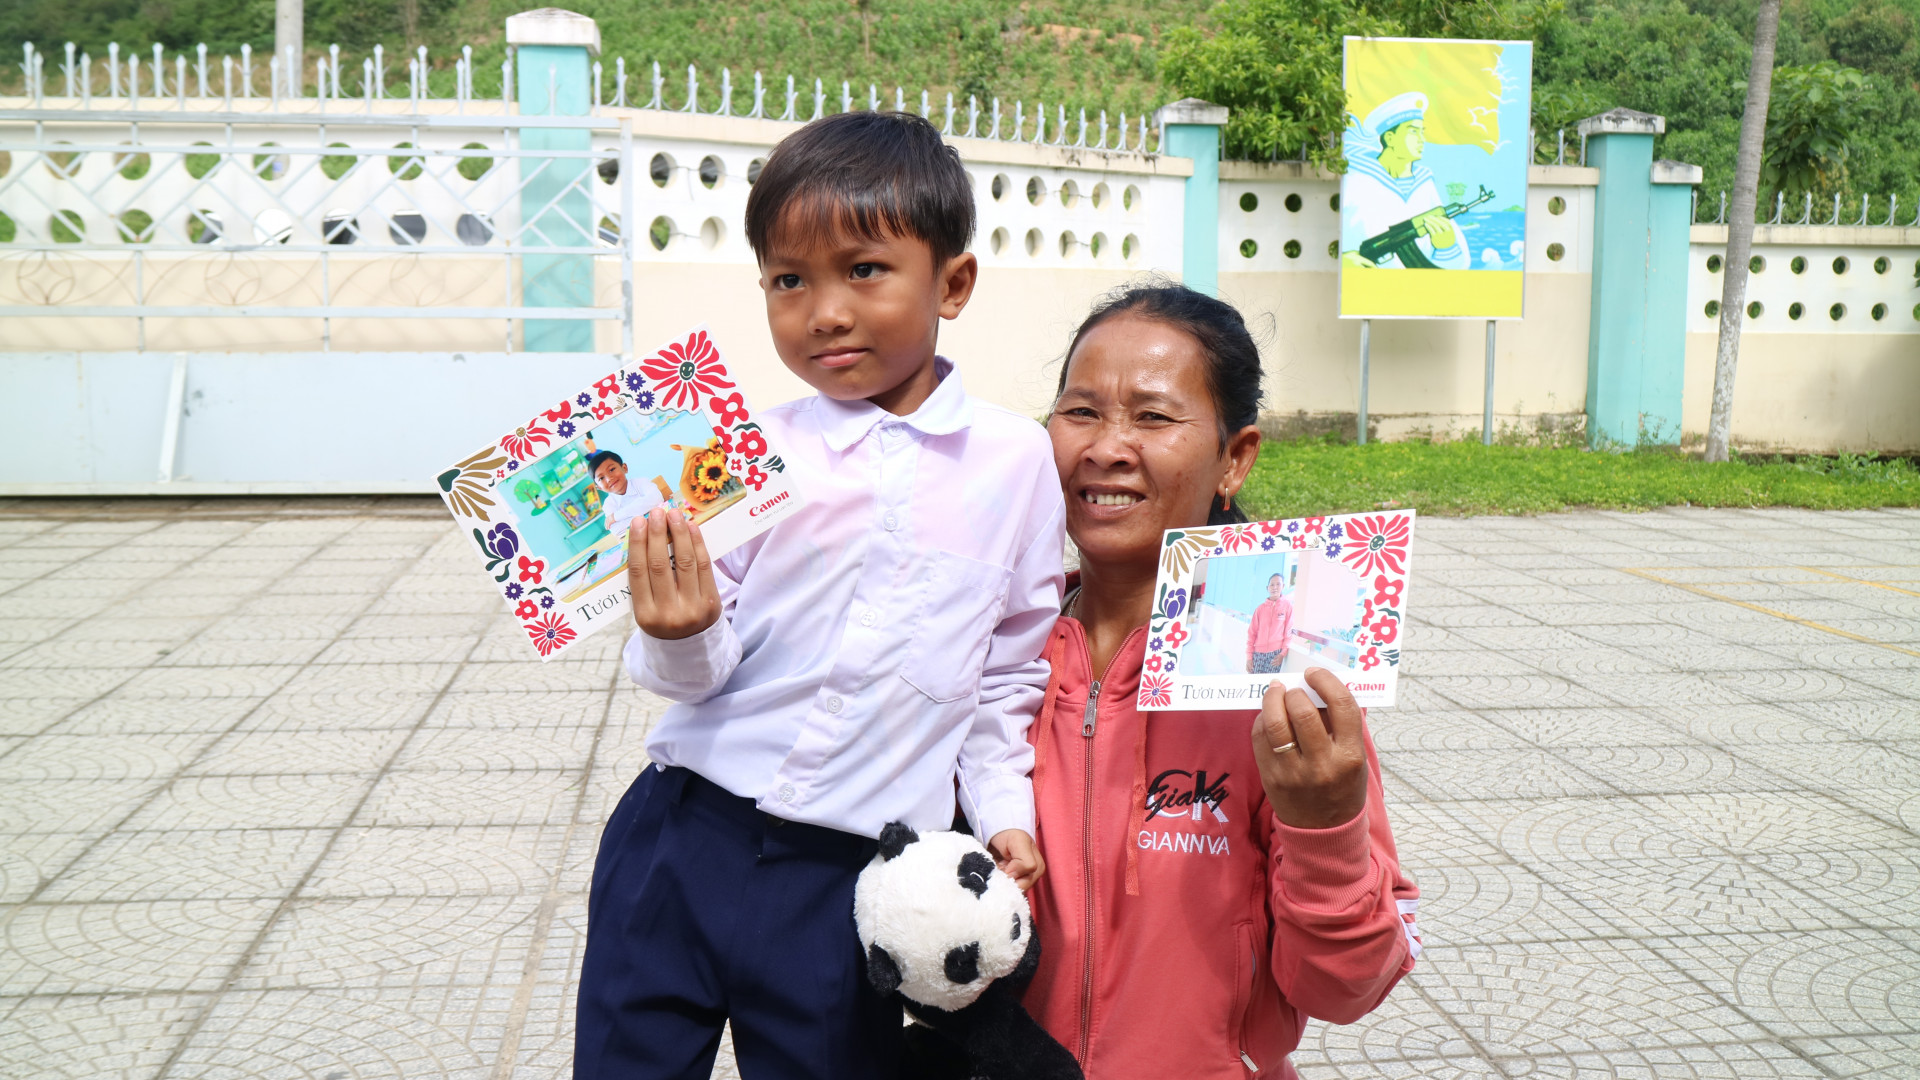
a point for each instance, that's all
(1185, 931)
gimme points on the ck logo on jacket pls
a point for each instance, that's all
(1179, 793)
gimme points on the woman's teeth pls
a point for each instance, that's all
(1115, 499)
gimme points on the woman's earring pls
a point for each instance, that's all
(1226, 502)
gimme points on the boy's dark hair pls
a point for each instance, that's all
(868, 174)
(599, 458)
(1233, 360)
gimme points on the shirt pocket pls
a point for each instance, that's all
(958, 610)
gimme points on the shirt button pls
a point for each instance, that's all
(787, 793)
(890, 522)
(869, 618)
(833, 704)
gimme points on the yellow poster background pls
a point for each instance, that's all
(1463, 94)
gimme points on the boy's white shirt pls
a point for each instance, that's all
(620, 510)
(887, 636)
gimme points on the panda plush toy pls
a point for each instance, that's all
(951, 933)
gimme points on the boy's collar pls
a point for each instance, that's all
(945, 411)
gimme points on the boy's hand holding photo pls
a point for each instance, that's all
(674, 595)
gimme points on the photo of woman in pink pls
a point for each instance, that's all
(1267, 633)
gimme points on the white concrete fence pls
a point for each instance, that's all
(192, 278)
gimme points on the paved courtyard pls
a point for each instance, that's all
(280, 796)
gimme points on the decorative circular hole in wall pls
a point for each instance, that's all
(1249, 201)
(1131, 199)
(132, 165)
(335, 166)
(1882, 264)
(275, 226)
(475, 166)
(8, 230)
(1036, 190)
(136, 227)
(712, 232)
(1100, 196)
(1292, 249)
(473, 230)
(660, 233)
(66, 227)
(1713, 264)
(608, 169)
(1556, 206)
(204, 227)
(1837, 312)
(1712, 309)
(711, 171)
(999, 241)
(1798, 265)
(64, 164)
(1097, 245)
(1248, 249)
(1034, 242)
(660, 170)
(1916, 313)
(1333, 249)
(1795, 310)
(1334, 203)
(1878, 312)
(275, 166)
(339, 227)
(1755, 309)
(753, 170)
(1293, 203)
(402, 167)
(199, 165)
(1757, 265)
(1067, 243)
(1556, 251)
(1841, 265)
(407, 228)
(607, 232)
(1069, 194)
(1130, 248)
(999, 187)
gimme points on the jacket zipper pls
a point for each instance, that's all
(1087, 724)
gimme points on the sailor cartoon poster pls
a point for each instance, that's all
(1433, 220)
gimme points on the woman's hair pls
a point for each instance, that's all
(1233, 360)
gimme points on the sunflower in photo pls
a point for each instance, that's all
(706, 472)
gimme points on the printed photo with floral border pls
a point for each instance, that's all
(1237, 607)
(547, 505)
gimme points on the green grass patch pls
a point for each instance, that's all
(1293, 479)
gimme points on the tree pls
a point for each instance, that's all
(1746, 185)
(1810, 122)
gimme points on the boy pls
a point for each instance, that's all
(841, 670)
(1267, 633)
(624, 502)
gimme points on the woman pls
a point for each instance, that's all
(1209, 889)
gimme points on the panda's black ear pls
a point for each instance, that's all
(894, 839)
(882, 972)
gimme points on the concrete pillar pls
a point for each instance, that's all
(289, 35)
(1190, 128)
(1636, 343)
(553, 51)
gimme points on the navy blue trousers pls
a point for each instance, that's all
(706, 910)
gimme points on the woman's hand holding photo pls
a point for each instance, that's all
(1313, 762)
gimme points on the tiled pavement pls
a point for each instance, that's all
(281, 797)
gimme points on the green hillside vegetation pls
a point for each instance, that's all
(1846, 118)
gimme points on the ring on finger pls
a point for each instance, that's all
(1286, 748)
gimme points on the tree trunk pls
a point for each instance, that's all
(1746, 189)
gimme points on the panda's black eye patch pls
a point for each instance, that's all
(963, 963)
(1016, 926)
(974, 868)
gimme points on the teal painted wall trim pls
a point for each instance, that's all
(552, 80)
(1200, 226)
(1617, 338)
(1663, 373)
